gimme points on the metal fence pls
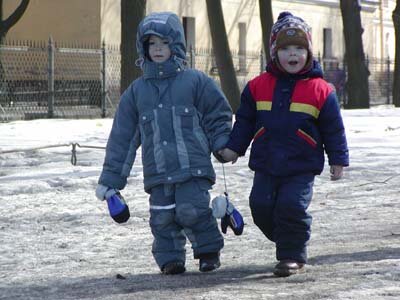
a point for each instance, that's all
(47, 79)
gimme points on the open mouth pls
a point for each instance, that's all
(292, 63)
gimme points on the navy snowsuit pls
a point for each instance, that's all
(178, 116)
(290, 120)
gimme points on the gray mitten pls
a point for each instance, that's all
(104, 192)
(230, 217)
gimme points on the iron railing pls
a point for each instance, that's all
(48, 79)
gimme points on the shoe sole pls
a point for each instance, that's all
(209, 268)
(175, 270)
(287, 272)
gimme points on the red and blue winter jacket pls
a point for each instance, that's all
(290, 120)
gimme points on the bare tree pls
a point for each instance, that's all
(396, 79)
(223, 57)
(6, 24)
(357, 84)
(132, 12)
(267, 20)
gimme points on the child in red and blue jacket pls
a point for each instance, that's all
(291, 116)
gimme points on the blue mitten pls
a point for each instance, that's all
(234, 221)
(230, 216)
(117, 206)
(118, 209)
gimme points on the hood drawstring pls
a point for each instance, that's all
(182, 63)
(139, 62)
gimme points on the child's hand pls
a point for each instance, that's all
(336, 172)
(228, 155)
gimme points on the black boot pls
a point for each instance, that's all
(288, 267)
(174, 267)
(209, 262)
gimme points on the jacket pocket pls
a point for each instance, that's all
(146, 123)
(259, 133)
(306, 137)
(185, 115)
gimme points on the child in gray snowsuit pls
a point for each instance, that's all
(178, 116)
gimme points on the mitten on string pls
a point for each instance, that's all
(230, 216)
(117, 206)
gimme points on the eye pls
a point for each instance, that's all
(165, 42)
(151, 43)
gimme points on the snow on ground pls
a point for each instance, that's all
(58, 242)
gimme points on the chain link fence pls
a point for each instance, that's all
(380, 80)
(47, 79)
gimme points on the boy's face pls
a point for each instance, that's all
(159, 50)
(292, 58)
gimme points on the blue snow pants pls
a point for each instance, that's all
(279, 208)
(179, 211)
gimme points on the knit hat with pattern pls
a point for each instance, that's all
(290, 30)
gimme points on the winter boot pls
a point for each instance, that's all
(209, 262)
(174, 267)
(288, 267)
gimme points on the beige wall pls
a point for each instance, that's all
(65, 20)
(110, 13)
(92, 21)
(247, 11)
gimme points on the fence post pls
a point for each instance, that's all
(344, 95)
(103, 80)
(388, 80)
(50, 79)
(192, 57)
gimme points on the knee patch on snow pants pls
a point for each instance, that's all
(192, 202)
(186, 214)
(162, 218)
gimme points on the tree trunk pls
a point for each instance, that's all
(132, 12)
(222, 54)
(396, 79)
(6, 24)
(357, 83)
(267, 21)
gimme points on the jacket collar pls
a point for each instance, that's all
(314, 71)
(169, 68)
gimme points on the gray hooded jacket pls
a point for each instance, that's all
(176, 114)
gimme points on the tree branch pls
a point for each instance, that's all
(13, 18)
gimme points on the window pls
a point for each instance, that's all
(327, 51)
(189, 27)
(242, 46)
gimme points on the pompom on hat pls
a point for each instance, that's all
(290, 30)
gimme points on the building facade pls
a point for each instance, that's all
(94, 21)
